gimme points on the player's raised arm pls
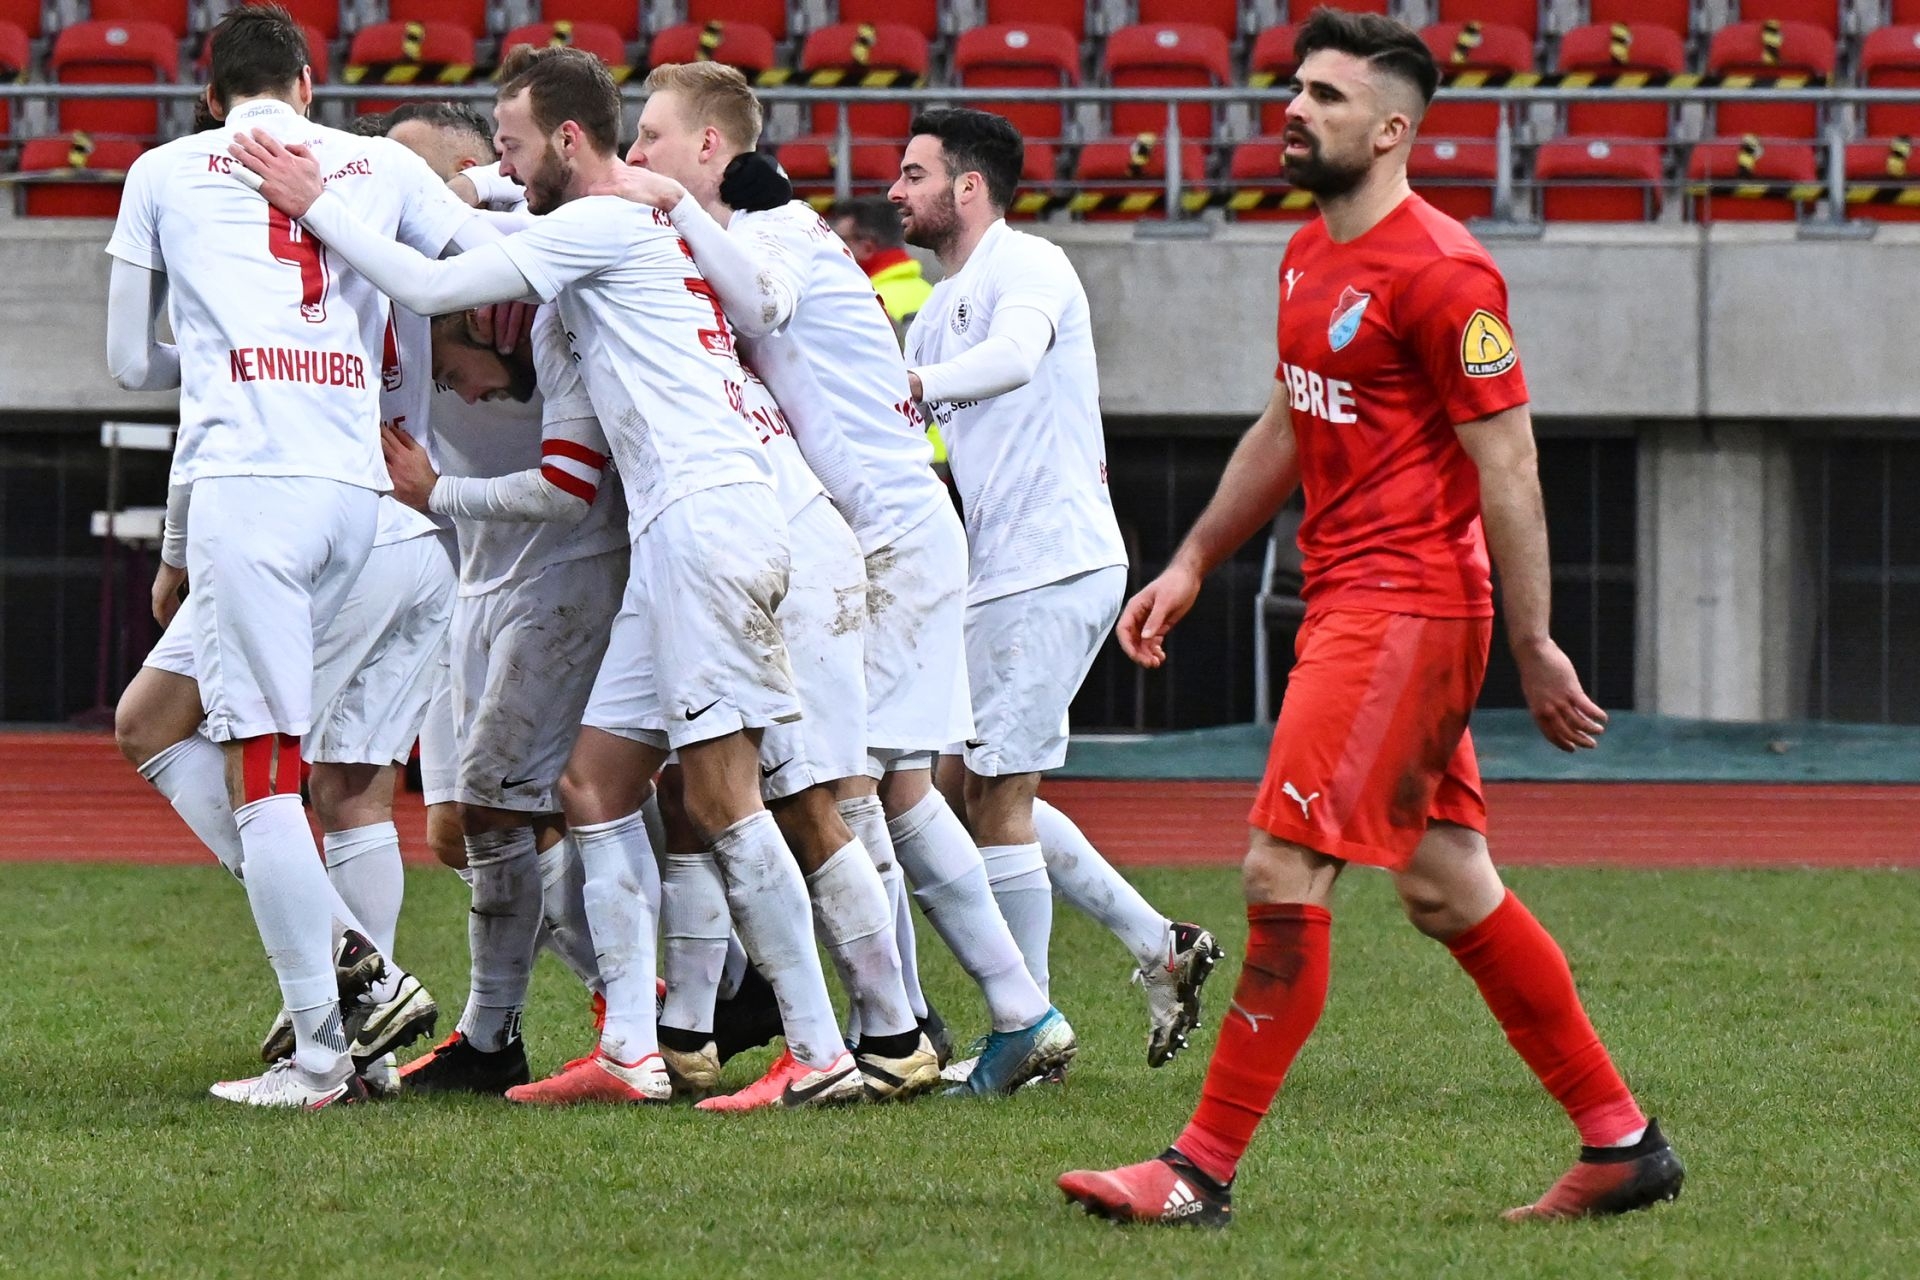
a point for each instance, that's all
(1515, 520)
(290, 181)
(136, 357)
(1260, 476)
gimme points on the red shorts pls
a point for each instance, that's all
(1372, 743)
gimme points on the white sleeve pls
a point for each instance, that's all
(494, 188)
(173, 531)
(431, 217)
(757, 277)
(423, 285)
(1035, 274)
(136, 357)
(136, 230)
(1003, 361)
(571, 243)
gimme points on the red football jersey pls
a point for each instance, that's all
(1386, 343)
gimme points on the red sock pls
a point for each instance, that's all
(1282, 989)
(1523, 975)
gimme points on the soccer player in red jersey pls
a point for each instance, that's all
(1400, 410)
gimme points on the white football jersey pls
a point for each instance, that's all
(280, 342)
(406, 384)
(504, 437)
(653, 345)
(1031, 465)
(793, 481)
(855, 421)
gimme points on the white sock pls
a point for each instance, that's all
(694, 931)
(288, 891)
(1090, 884)
(734, 971)
(622, 895)
(192, 775)
(768, 897)
(500, 927)
(855, 921)
(563, 908)
(950, 883)
(868, 821)
(1017, 874)
(364, 865)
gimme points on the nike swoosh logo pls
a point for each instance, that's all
(768, 773)
(695, 715)
(974, 744)
(794, 1097)
(508, 784)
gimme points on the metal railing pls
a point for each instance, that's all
(1176, 186)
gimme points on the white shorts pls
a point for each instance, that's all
(1026, 656)
(375, 666)
(695, 652)
(271, 560)
(524, 659)
(439, 747)
(823, 620)
(917, 698)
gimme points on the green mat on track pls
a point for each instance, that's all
(1637, 748)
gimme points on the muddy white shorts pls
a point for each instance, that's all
(822, 619)
(524, 659)
(917, 697)
(695, 652)
(1026, 656)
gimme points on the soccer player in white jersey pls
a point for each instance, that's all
(1002, 353)
(696, 663)
(277, 462)
(822, 341)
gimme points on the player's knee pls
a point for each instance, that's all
(132, 736)
(446, 831)
(1278, 870)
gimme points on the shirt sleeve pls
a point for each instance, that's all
(1038, 277)
(136, 232)
(1453, 316)
(757, 275)
(430, 215)
(569, 244)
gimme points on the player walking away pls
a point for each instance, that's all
(1003, 355)
(272, 330)
(827, 352)
(706, 528)
(1401, 409)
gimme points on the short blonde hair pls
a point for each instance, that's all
(712, 93)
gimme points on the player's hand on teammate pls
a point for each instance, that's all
(408, 464)
(1144, 623)
(1567, 717)
(503, 325)
(167, 593)
(642, 186)
(464, 190)
(289, 176)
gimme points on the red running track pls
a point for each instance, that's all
(69, 797)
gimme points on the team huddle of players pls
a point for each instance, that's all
(663, 581)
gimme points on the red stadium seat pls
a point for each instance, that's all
(24, 14)
(1070, 15)
(1824, 14)
(113, 53)
(171, 14)
(1019, 57)
(596, 38)
(413, 53)
(1271, 66)
(738, 44)
(769, 15)
(81, 175)
(1171, 55)
(809, 165)
(622, 15)
(1904, 13)
(15, 54)
(469, 15)
(1466, 51)
(1890, 59)
(922, 15)
(1594, 180)
(852, 55)
(1222, 15)
(1771, 49)
(1884, 163)
(1257, 185)
(1749, 160)
(1456, 177)
(317, 58)
(1126, 178)
(1522, 15)
(1612, 50)
(1675, 15)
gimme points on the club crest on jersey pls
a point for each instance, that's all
(1346, 317)
(962, 316)
(1486, 348)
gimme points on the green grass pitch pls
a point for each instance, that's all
(1768, 1018)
